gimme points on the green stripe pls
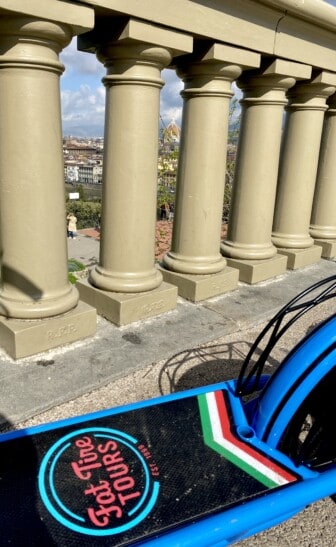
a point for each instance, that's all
(209, 441)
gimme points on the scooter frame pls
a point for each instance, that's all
(258, 410)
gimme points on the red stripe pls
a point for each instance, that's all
(227, 434)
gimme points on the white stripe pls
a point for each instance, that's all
(238, 452)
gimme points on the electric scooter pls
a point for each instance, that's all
(204, 467)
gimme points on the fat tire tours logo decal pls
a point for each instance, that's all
(98, 481)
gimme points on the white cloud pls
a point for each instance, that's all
(83, 102)
(78, 63)
(83, 110)
(171, 101)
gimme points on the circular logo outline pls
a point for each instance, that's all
(45, 479)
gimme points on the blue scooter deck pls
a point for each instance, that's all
(118, 477)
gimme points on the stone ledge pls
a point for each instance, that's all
(125, 308)
(255, 271)
(200, 287)
(328, 247)
(21, 338)
(300, 258)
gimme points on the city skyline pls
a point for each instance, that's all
(83, 94)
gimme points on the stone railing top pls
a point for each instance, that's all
(299, 30)
(316, 11)
(79, 17)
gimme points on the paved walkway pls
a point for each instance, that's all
(85, 247)
(87, 251)
(196, 344)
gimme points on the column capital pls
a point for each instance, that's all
(312, 94)
(213, 59)
(331, 103)
(128, 53)
(78, 18)
(128, 31)
(34, 43)
(133, 63)
(212, 66)
(274, 75)
(205, 79)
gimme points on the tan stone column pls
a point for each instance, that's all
(32, 200)
(127, 251)
(323, 220)
(195, 251)
(248, 246)
(298, 168)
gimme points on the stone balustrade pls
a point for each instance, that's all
(282, 56)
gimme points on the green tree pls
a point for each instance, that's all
(81, 191)
(234, 124)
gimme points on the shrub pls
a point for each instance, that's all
(87, 213)
(72, 278)
(74, 266)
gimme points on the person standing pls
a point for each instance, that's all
(164, 211)
(171, 212)
(72, 226)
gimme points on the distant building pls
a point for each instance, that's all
(168, 155)
(71, 173)
(88, 173)
(83, 160)
(231, 152)
(171, 133)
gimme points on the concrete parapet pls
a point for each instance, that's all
(299, 258)
(200, 287)
(125, 308)
(21, 338)
(254, 271)
(328, 247)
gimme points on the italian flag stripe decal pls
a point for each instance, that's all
(218, 436)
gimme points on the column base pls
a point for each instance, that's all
(254, 271)
(200, 287)
(125, 308)
(21, 338)
(175, 262)
(107, 280)
(299, 258)
(328, 247)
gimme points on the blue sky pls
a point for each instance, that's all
(83, 94)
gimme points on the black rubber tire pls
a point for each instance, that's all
(310, 437)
